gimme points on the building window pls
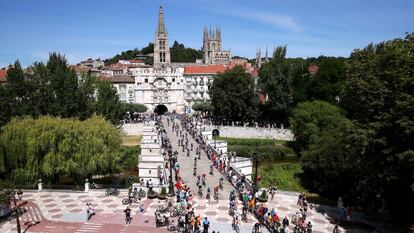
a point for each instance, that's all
(173, 79)
(122, 87)
(146, 80)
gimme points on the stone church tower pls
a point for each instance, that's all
(212, 50)
(161, 48)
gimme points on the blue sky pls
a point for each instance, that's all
(90, 28)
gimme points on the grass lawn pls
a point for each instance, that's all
(131, 140)
(282, 175)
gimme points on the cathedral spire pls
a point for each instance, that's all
(267, 56)
(161, 25)
(161, 49)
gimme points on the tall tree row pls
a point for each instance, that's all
(55, 89)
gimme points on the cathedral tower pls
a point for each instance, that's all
(161, 48)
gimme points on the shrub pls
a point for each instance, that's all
(263, 196)
(152, 194)
(163, 193)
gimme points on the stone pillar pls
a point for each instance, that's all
(86, 185)
(40, 185)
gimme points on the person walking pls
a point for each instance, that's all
(89, 211)
(128, 218)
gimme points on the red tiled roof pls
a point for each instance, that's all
(210, 69)
(118, 78)
(3, 74)
(136, 61)
(81, 69)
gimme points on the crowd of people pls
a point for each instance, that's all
(193, 222)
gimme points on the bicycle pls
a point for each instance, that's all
(244, 216)
(130, 200)
(235, 227)
(140, 193)
(111, 191)
(172, 227)
(216, 197)
(231, 211)
(96, 186)
(176, 212)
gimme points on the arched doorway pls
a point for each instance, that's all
(216, 133)
(160, 109)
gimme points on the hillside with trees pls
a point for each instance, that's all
(179, 53)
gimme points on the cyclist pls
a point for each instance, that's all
(236, 222)
(244, 212)
(200, 190)
(208, 194)
(204, 179)
(216, 197)
(221, 180)
(232, 207)
(256, 227)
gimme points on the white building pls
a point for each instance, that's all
(124, 85)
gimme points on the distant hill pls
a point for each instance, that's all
(179, 53)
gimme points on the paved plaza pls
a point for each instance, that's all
(65, 211)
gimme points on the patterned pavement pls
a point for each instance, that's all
(70, 208)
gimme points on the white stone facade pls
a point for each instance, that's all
(151, 160)
(126, 92)
(160, 86)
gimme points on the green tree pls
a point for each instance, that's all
(309, 119)
(130, 107)
(63, 84)
(332, 163)
(50, 148)
(107, 102)
(204, 106)
(379, 96)
(233, 96)
(179, 53)
(326, 84)
(275, 81)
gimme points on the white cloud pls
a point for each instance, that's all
(279, 21)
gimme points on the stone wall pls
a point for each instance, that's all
(253, 132)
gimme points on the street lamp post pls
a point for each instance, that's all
(11, 195)
(256, 159)
(171, 186)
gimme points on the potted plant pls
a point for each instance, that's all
(152, 194)
(263, 197)
(163, 194)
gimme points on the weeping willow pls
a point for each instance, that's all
(50, 148)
